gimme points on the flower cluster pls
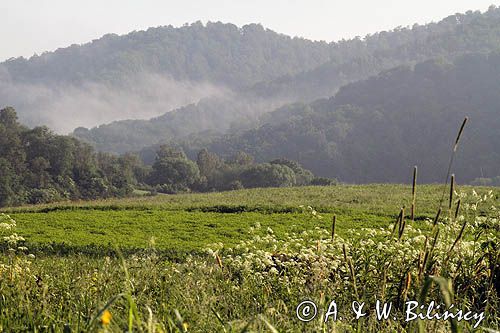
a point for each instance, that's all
(19, 259)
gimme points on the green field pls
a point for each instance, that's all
(184, 223)
(241, 261)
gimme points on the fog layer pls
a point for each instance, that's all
(65, 107)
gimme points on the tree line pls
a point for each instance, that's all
(38, 166)
(172, 172)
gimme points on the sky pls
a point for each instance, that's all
(34, 26)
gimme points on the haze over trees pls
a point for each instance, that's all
(218, 107)
(376, 130)
(147, 73)
(348, 61)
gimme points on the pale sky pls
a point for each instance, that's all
(29, 26)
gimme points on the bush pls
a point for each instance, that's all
(303, 176)
(236, 185)
(322, 181)
(171, 188)
(42, 196)
(174, 171)
(268, 175)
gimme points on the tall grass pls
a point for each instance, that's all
(259, 281)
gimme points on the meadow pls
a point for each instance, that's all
(241, 261)
(188, 222)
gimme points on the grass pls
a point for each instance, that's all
(376, 199)
(186, 223)
(178, 231)
(274, 255)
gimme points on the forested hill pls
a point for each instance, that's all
(215, 115)
(377, 130)
(349, 61)
(453, 36)
(216, 52)
(37, 166)
(147, 73)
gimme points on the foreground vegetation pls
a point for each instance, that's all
(248, 265)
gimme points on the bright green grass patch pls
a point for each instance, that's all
(180, 231)
(188, 222)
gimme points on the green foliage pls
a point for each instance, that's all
(346, 61)
(376, 130)
(7, 179)
(302, 176)
(207, 162)
(37, 166)
(240, 158)
(239, 171)
(322, 181)
(268, 175)
(173, 171)
(44, 195)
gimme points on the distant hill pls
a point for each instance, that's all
(348, 61)
(216, 115)
(147, 73)
(360, 58)
(216, 52)
(376, 130)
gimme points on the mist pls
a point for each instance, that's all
(65, 107)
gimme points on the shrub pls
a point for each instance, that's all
(41, 196)
(322, 181)
(268, 175)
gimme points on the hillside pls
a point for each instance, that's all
(216, 115)
(147, 73)
(453, 36)
(349, 61)
(376, 130)
(216, 52)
